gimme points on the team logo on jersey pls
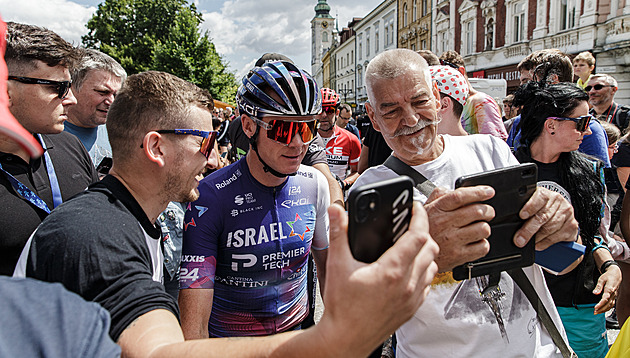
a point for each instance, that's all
(191, 223)
(294, 190)
(246, 260)
(234, 213)
(189, 207)
(293, 233)
(239, 200)
(245, 198)
(202, 210)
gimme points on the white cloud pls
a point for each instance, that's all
(65, 17)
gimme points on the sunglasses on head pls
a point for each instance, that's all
(449, 64)
(62, 87)
(581, 122)
(597, 87)
(207, 144)
(282, 131)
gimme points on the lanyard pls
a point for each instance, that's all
(610, 117)
(28, 195)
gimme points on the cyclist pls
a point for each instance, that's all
(245, 262)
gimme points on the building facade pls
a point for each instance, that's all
(414, 24)
(322, 38)
(345, 62)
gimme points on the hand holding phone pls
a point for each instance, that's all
(379, 214)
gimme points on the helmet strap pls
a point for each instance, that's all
(266, 167)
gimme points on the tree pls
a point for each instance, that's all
(160, 35)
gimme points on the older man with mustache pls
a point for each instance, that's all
(466, 318)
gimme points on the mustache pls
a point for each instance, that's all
(422, 123)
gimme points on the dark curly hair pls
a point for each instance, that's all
(579, 173)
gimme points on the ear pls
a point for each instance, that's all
(462, 70)
(550, 125)
(249, 127)
(554, 78)
(614, 90)
(10, 89)
(153, 148)
(370, 113)
(445, 104)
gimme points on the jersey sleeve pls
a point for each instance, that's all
(202, 226)
(489, 119)
(355, 150)
(322, 226)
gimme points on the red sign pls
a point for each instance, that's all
(479, 74)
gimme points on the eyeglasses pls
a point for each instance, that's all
(449, 64)
(207, 144)
(282, 132)
(581, 122)
(614, 147)
(329, 110)
(62, 87)
(597, 87)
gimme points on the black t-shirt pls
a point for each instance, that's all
(378, 151)
(18, 217)
(566, 290)
(95, 246)
(316, 152)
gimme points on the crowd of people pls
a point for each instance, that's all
(141, 220)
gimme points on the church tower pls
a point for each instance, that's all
(322, 27)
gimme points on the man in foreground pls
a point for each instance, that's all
(104, 245)
(457, 319)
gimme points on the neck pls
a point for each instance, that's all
(8, 145)
(143, 188)
(585, 77)
(600, 109)
(328, 133)
(259, 173)
(542, 151)
(451, 126)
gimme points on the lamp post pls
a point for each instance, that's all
(345, 92)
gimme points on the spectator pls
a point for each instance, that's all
(456, 320)
(430, 57)
(554, 66)
(601, 91)
(39, 91)
(342, 148)
(481, 114)
(119, 266)
(510, 112)
(583, 66)
(95, 81)
(453, 90)
(344, 118)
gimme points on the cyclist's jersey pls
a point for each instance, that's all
(250, 243)
(342, 150)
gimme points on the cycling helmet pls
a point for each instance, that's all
(277, 88)
(293, 91)
(329, 97)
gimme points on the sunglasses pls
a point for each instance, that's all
(62, 87)
(581, 122)
(282, 132)
(207, 144)
(329, 110)
(449, 64)
(597, 87)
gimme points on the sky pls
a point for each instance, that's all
(242, 30)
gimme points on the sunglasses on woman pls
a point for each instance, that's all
(207, 144)
(62, 87)
(281, 131)
(581, 122)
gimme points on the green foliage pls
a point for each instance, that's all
(160, 35)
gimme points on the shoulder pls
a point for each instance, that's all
(223, 178)
(374, 174)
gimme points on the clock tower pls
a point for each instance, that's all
(322, 27)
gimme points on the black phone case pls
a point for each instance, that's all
(379, 214)
(513, 187)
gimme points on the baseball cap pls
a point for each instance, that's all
(9, 126)
(270, 57)
(450, 82)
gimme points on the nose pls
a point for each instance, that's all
(296, 141)
(410, 117)
(212, 162)
(70, 99)
(109, 99)
(587, 131)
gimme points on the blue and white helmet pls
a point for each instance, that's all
(278, 88)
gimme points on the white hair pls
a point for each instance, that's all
(392, 64)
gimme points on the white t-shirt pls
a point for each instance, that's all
(454, 321)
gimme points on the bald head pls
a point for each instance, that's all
(392, 64)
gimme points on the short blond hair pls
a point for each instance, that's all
(586, 57)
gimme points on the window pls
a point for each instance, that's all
(490, 34)
(469, 37)
(386, 35)
(413, 47)
(351, 56)
(376, 40)
(424, 44)
(360, 48)
(404, 19)
(325, 36)
(518, 22)
(567, 14)
(425, 7)
(414, 12)
(367, 42)
(443, 41)
(360, 76)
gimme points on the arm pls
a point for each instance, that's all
(320, 257)
(608, 283)
(336, 196)
(195, 306)
(401, 276)
(363, 159)
(352, 177)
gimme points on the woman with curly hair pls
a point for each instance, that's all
(554, 120)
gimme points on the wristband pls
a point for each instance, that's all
(607, 264)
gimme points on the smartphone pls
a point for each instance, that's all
(559, 256)
(513, 187)
(104, 166)
(379, 213)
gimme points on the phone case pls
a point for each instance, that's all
(379, 213)
(513, 187)
(559, 256)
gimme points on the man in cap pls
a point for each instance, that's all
(453, 90)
